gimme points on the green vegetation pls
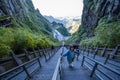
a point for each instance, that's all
(63, 31)
(24, 34)
(31, 31)
(78, 36)
(60, 27)
(107, 33)
(21, 38)
(3, 17)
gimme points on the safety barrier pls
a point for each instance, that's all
(102, 71)
(24, 68)
(58, 70)
(108, 55)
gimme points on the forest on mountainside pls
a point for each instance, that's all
(23, 27)
(100, 24)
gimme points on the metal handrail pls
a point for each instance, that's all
(57, 71)
(13, 69)
(22, 66)
(101, 64)
(108, 56)
(109, 49)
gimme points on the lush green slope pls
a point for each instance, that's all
(31, 30)
(107, 33)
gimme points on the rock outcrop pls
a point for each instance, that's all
(94, 10)
(12, 8)
(23, 10)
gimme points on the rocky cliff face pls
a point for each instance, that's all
(14, 8)
(94, 10)
(24, 11)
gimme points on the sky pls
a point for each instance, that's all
(59, 8)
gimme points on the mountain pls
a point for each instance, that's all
(95, 10)
(73, 25)
(100, 23)
(70, 22)
(52, 19)
(24, 11)
(24, 27)
(60, 27)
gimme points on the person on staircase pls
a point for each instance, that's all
(76, 49)
(70, 56)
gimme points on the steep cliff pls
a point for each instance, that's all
(14, 8)
(100, 23)
(94, 10)
(24, 11)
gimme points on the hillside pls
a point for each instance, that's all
(57, 20)
(70, 23)
(100, 23)
(60, 27)
(21, 26)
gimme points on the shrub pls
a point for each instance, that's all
(4, 50)
(107, 33)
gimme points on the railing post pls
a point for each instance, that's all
(114, 52)
(51, 51)
(47, 51)
(18, 61)
(35, 55)
(96, 51)
(84, 50)
(39, 62)
(83, 60)
(39, 52)
(28, 74)
(103, 52)
(93, 70)
(88, 52)
(44, 54)
(27, 54)
(34, 52)
(15, 58)
(107, 58)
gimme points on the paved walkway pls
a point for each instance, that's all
(75, 73)
(47, 69)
